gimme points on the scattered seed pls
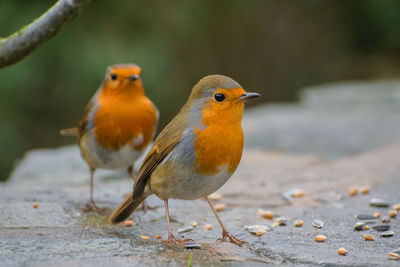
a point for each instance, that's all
(194, 223)
(267, 214)
(208, 227)
(282, 221)
(359, 226)
(261, 232)
(298, 193)
(364, 190)
(392, 213)
(377, 202)
(318, 224)
(381, 227)
(386, 234)
(255, 228)
(394, 256)
(157, 236)
(320, 238)
(298, 223)
(396, 206)
(128, 223)
(366, 227)
(386, 219)
(35, 205)
(192, 246)
(377, 214)
(353, 191)
(220, 206)
(185, 229)
(145, 237)
(366, 218)
(215, 196)
(397, 250)
(368, 237)
(342, 251)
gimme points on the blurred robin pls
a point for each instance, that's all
(117, 124)
(196, 153)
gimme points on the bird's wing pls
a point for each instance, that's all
(83, 123)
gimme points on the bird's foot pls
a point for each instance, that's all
(232, 238)
(91, 206)
(172, 240)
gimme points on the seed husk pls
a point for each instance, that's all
(261, 232)
(386, 219)
(392, 213)
(368, 237)
(208, 227)
(366, 218)
(353, 191)
(377, 202)
(194, 223)
(192, 246)
(298, 223)
(396, 206)
(215, 196)
(381, 227)
(255, 228)
(128, 223)
(318, 224)
(282, 221)
(359, 226)
(342, 251)
(394, 256)
(185, 229)
(386, 234)
(320, 238)
(220, 206)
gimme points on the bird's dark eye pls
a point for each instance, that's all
(219, 97)
(113, 76)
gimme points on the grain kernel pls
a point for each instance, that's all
(298, 193)
(396, 207)
(320, 238)
(145, 237)
(208, 226)
(157, 236)
(194, 223)
(368, 237)
(215, 196)
(342, 251)
(366, 227)
(377, 214)
(392, 213)
(353, 191)
(220, 206)
(267, 214)
(298, 223)
(260, 232)
(364, 190)
(35, 205)
(128, 223)
(394, 256)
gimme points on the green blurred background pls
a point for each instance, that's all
(273, 47)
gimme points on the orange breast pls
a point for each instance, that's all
(119, 120)
(220, 143)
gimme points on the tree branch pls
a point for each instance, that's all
(21, 43)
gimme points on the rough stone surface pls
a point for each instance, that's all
(60, 233)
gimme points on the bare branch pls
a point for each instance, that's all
(21, 43)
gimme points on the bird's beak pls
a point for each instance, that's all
(249, 95)
(133, 77)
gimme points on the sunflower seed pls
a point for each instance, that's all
(381, 227)
(255, 228)
(282, 221)
(377, 202)
(366, 218)
(318, 224)
(397, 250)
(386, 234)
(185, 229)
(192, 246)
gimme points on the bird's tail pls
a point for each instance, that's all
(125, 209)
(69, 132)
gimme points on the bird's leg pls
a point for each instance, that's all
(91, 206)
(225, 233)
(171, 238)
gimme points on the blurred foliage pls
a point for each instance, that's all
(273, 47)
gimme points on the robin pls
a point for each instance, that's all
(196, 153)
(118, 123)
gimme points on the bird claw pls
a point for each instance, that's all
(176, 242)
(91, 206)
(232, 239)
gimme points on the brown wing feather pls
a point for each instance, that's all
(83, 123)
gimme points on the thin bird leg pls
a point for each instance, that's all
(91, 205)
(225, 233)
(171, 238)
